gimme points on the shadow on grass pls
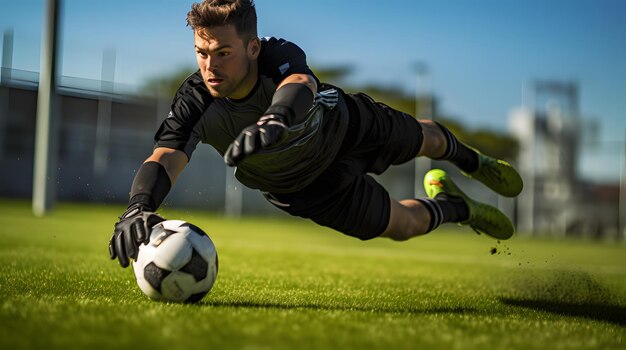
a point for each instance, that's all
(600, 312)
(310, 306)
(567, 293)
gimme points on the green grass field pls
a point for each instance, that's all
(287, 283)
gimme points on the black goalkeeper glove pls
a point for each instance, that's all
(131, 231)
(264, 133)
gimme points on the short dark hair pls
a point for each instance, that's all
(215, 13)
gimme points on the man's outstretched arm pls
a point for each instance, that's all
(174, 161)
(152, 183)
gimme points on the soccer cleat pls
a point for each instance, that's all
(498, 175)
(483, 218)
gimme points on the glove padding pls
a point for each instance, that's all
(131, 231)
(264, 133)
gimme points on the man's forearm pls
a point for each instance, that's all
(151, 185)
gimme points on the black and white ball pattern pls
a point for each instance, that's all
(179, 264)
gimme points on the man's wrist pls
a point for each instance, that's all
(281, 112)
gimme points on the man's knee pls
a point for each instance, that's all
(434, 142)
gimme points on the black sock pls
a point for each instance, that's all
(457, 153)
(454, 208)
(436, 214)
(445, 208)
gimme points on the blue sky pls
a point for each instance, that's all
(480, 53)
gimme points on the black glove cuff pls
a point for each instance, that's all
(134, 209)
(267, 118)
(150, 186)
(293, 101)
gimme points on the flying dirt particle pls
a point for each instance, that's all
(493, 250)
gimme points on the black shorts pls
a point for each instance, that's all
(344, 197)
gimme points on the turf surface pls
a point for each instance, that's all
(287, 283)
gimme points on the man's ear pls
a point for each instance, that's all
(254, 48)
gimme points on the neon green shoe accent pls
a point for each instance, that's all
(498, 175)
(483, 218)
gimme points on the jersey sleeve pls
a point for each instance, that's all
(280, 58)
(178, 130)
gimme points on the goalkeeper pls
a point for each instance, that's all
(307, 146)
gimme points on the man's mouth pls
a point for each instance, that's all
(214, 81)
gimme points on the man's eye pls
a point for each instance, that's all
(201, 54)
(224, 54)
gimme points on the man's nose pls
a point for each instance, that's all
(210, 64)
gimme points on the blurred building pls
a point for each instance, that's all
(103, 138)
(556, 200)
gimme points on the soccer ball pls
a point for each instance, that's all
(179, 263)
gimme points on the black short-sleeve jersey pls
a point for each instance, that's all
(196, 116)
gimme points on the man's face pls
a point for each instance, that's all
(228, 66)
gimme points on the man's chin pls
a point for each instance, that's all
(216, 93)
